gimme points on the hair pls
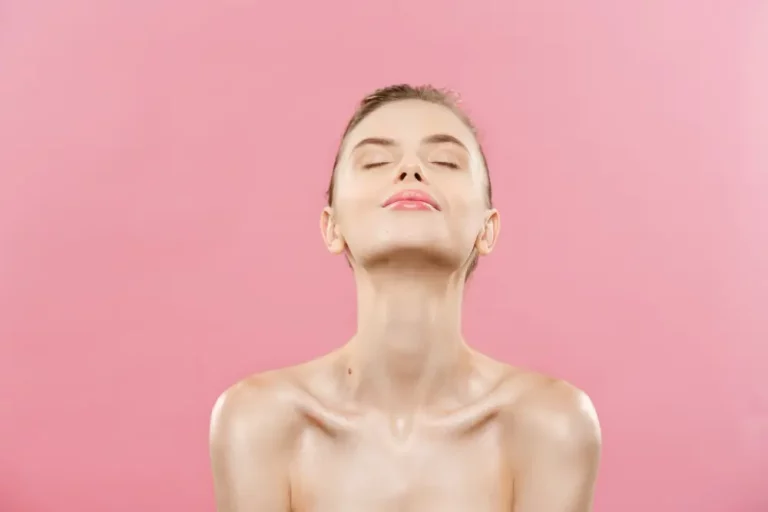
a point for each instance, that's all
(400, 92)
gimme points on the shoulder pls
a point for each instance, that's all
(552, 414)
(260, 408)
(536, 408)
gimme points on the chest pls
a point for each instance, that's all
(370, 472)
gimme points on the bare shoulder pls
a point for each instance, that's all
(255, 424)
(556, 411)
(261, 407)
(539, 408)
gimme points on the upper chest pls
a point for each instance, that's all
(375, 468)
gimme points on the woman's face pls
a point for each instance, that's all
(410, 147)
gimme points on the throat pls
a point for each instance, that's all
(408, 351)
(401, 379)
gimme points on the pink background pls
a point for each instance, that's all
(162, 171)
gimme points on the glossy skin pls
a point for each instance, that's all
(406, 417)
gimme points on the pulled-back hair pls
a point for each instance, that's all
(400, 92)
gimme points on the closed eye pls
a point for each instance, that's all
(450, 165)
(374, 165)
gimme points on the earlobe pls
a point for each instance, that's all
(489, 234)
(330, 231)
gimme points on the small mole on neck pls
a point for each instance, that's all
(349, 371)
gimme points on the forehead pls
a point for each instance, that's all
(409, 121)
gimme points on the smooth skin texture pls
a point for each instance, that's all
(406, 416)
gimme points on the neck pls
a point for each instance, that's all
(408, 345)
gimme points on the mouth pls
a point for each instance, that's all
(411, 200)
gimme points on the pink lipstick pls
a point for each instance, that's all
(411, 200)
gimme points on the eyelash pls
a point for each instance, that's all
(450, 165)
(373, 166)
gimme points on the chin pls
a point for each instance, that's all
(412, 252)
(408, 242)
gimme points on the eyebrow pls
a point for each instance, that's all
(438, 138)
(441, 138)
(374, 141)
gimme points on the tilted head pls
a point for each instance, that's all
(413, 141)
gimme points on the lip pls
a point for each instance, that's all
(412, 197)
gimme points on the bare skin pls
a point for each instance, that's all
(405, 416)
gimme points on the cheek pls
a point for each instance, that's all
(358, 193)
(352, 185)
(469, 201)
(468, 215)
(353, 206)
(465, 187)
(354, 202)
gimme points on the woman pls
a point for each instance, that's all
(406, 416)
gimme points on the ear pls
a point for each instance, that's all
(330, 231)
(486, 240)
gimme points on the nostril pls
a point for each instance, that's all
(403, 175)
(417, 176)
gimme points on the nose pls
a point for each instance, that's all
(411, 172)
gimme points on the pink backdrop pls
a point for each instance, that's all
(162, 171)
